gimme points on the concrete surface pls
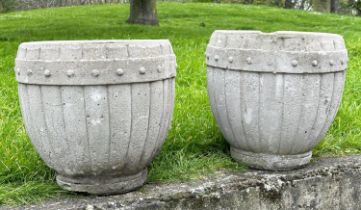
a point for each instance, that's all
(274, 95)
(325, 184)
(97, 112)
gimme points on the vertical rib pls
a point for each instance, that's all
(37, 124)
(70, 163)
(233, 103)
(140, 115)
(332, 108)
(241, 108)
(291, 135)
(259, 149)
(271, 86)
(162, 120)
(140, 165)
(327, 84)
(233, 140)
(109, 122)
(120, 130)
(220, 105)
(310, 103)
(76, 131)
(98, 123)
(212, 93)
(154, 124)
(250, 108)
(280, 141)
(169, 102)
(48, 115)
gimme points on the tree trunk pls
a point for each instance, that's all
(321, 5)
(289, 4)
(143, 12)
(335, 6)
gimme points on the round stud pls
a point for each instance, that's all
(159, 69)
(342, 62)
(332, 62)
(294, 63)
(207, 57)
(120, 72)
(314, 63)
(29, 72)
(230, 59)
(47, 73)
(70, 73)
(216, 57)
(18, 71)
(95, 73)
(142, 70)
(249, 60)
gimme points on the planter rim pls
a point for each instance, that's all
(277, 52)
(290, 41)
(98, 62)
(280, 33)
(100, 41)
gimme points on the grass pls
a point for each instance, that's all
(194, 147)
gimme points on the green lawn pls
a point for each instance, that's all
(194, 147)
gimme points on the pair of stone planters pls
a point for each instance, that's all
(275, 95)
(98, 111)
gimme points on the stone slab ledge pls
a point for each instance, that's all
(326, 183)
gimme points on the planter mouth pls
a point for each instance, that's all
(50, 43)
(280, 34)
(93, 50)
(287, 41)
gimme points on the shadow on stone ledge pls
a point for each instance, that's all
(328, 183)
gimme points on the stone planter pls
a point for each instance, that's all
(274, 95)
(97, 112)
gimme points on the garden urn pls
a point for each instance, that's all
(274, 95)
(97, 112)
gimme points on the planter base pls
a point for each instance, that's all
(271, 161)
(104, 186)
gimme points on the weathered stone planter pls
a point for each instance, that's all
(275, 95)
(97, 111)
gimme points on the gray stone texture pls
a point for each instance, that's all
(326, 184)
(274, 95)
(97, 112)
